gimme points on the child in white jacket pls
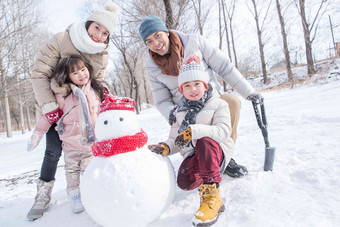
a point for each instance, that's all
(200, 131)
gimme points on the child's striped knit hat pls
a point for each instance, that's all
(192, 70)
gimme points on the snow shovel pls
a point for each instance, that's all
(262, 122)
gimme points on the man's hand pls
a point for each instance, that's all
(255, 97)
(162, 149)
(184, 138)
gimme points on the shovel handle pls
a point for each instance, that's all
(261, 120)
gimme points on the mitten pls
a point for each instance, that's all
(184, 138)
(255, 97)
(52, 112)
(35, 139)
(160, 149)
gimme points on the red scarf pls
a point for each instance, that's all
(107, 148)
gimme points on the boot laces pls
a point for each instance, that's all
(206, 193)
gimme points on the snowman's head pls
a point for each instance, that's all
(116, 118)
(116, 123)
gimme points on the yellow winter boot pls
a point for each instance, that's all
(211, 205)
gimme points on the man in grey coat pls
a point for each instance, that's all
(167, 49)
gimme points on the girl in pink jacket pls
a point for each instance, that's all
(78, 94)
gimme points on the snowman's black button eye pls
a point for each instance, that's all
(121, 119)
(105, 122)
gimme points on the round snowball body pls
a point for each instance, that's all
(129, 189)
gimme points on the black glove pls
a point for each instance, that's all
(162, 149)
(255, 97)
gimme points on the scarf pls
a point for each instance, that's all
(86, 127)
(170, 63)
(82, 41)
(193, 108)
(120, 145)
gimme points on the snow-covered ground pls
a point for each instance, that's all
(302, 190)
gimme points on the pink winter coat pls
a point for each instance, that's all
(72, 130)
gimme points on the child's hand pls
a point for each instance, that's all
(35, 139)
(160, 149)
(184, 138)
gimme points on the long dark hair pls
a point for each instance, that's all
(71, 64)
(87, 25)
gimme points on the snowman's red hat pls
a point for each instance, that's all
(117, 103)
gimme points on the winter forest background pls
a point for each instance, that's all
(261, 37)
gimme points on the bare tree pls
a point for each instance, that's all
(230, 12)
(259, 29)
(310, 28)
(285, 43)
(169, 22)
(200, 14)
(18, 17)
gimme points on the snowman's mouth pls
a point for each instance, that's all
(109, 147)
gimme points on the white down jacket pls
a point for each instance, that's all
(212, 121)
(165, 88)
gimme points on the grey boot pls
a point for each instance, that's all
(75, 198)
(42, 199)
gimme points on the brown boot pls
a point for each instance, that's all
(42, 199)
(211, 205)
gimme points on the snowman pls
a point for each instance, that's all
(125, 183)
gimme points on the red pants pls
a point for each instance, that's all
(203, 167)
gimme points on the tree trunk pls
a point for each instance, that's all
(198, 12)
(169, 22)
(285, 44)
(28, 118)
(306, 35)
(8, 116)
(259, 37)
(226, 29)
(233, 43)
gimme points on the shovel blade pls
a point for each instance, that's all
(269, 159)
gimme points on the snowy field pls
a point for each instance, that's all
(303, 189)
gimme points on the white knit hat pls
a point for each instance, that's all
(108, 17)
(191, 70)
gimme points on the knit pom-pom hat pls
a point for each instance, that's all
(149, 25)
(117, 103)
(192, 70)
(108, 17)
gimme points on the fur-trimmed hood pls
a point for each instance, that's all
(64, 89)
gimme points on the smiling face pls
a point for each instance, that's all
(193, 90)
(97, 32)
(158, 42)
(79, 74)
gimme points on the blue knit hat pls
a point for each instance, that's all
(149, 25)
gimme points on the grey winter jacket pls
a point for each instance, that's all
(165, 88)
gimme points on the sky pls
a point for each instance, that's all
(302, 190)
(61, 13)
